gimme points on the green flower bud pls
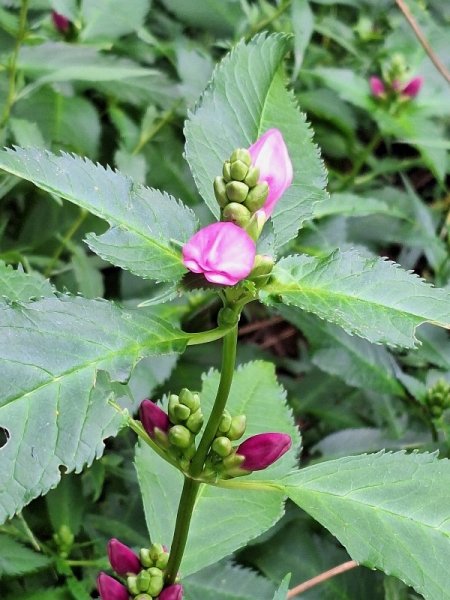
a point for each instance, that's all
(236, 191)
(195, 421)
(180, 436)
(173, 402)
(255, 225)
(132, 584)
(161, 438)
(143, 581)
(243, 155)
(233, 461)
(220, 191)
(257, 196)
(227, 317)
(252, 177)
(190, 399)
(189, 452)
(222, 446)
(155, 551)
(225, 422)
(226, 171)
(162, 561)
(156, 584)
(143, 597)
(262, 266)
(181, 412)
(238, 170)
(145, 558)
(237, 428)
(155, 572)
(236, 213)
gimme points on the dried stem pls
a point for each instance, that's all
(306, 585)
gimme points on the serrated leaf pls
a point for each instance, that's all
(16, 559)
(16, 285)
(54, 396)
(282, 591)
(143, 220)
(247, 97)
(224, 520)
(371, 297)
(390, 511)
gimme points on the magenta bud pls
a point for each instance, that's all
(110, 589)
(153, 417)
(376, 87)
(122, 559)
(61, 22)
(173, 592)
(413, 87)
(263, 449)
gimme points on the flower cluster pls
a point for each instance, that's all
(144, 574)
(381, 89)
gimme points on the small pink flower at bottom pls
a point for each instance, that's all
(153, 417)
(413, 87)
(110, 589)
(223, 252)
(173, 592)
(376, 87)
(61, 22)
(262, 450)
(270, 154)
(122, 559)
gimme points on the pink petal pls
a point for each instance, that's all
(413, 87)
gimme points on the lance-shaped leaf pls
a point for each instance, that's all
(247, 97)
(53, 398)
(371, 297)
(390, 511)
(144, 221)
(17, 285)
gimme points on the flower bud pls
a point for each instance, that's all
(180, 436)
(252, 177)
(143, 597)
(262, 267)
(195, 421)
(153, 417)
(143, 581)
(110, 589)
(122, 559)
(226, 171)
(225, 422)
(238, 170)
(223, 252)
(236, 191)
(255, 225)
(162, 561)
(262, 450)
(181, 412)
(413, 87)
(270, 154)
(220, 191)
(243, 155)
(146, 559)
(155, 551)
(377, 87)
(257, 196)
(156, 585)
(132, 584)
(222, 446)
(173, 592)
(61, 22)
(190, 399)
(237, 428)
(237, 214)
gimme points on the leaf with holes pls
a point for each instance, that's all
(371, 297)
(247, 97)
(144, 221)
(57, 358)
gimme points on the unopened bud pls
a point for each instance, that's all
(226, 171)
(162, 561)
(237, 428)
(143, 597)
(155, 551)
(222, 446)
(263, 449)
(181, 412)
(132, 584)
(243, 155)
(237, 214)
(252, 177)
(146, 560)
(225, 422)
(236, 191)
(220, 191)
(238, 170)
(190, 399)
(153, 417)
(233, 461)
(257, 197)
(180, 436)
(173, 592)
(156, 585)
(110, 589)
(195, 421)
(122, 559)
(143, 581)
(255, 225)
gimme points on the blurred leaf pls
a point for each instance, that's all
(303, 28)
(281, 593)
(111, 19)
(26, 133)
(16, 559)
(217, 16)
(65, 505)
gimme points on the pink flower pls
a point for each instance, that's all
(61, 22)
(413, 87)
(376, 87)
(153, 417)
(173, 592)
(110, 589)
(223, 252)
(263, 449)
(122, 559)
(270, 154)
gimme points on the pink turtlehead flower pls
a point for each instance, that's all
(262, 450)
(223, 252)
(153, 417)
(413, 87)
(110, 589)
(61, 22)
(270, 154)
(376, 87)
(173, 592)
(122, 559)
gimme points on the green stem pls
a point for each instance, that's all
(166, 117)
(30, 535)
(226, 377)
(203, 337)
(361, 161)
(66, 239)
(12, 80)
(264, 23)
(180, 536)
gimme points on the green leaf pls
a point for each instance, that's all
(371, 297)
(17, 285)
(281, 593)
(54, 397)
(247, 97)
(111, 19)
(390, 511)
(143, 220)
(16, 559)
(218, 16)
(435, 346)
(224, 519)
(352, 205)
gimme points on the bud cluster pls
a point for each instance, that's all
(238, 192)
(222, 456)
(438, 398)
(144, 574)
